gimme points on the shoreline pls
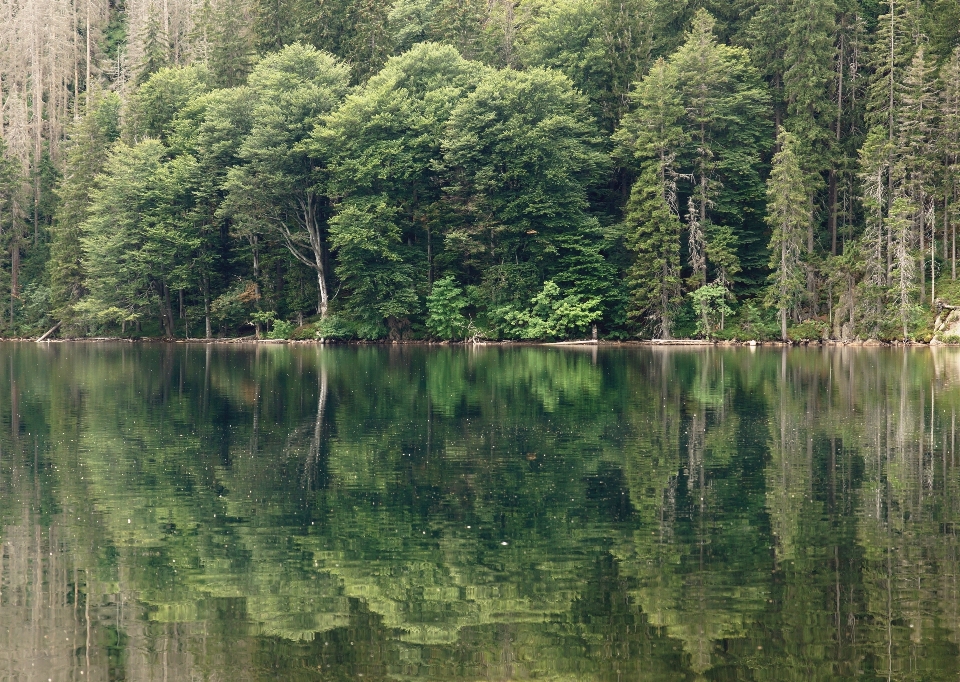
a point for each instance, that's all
(653, 343)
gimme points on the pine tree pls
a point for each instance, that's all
(874, 172)
(230, 41)
(156, 47)
(652, 232)
(809, 56)
(723, 99)
(789, 219)
(900, 225)
(86, 154)
(948, 136)
(913, 163)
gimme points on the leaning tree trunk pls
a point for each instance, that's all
(309, 207)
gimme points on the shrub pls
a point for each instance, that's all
(710, 304)
(552, 317)
(808, 330)
(445, 305)
(281, 330)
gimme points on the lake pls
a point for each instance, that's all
(240, 512)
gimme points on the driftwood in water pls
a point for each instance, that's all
(49, 332)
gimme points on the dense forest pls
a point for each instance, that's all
(480, 169)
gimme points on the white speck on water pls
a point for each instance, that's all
(504, 543)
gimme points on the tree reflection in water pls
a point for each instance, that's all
(269, 512)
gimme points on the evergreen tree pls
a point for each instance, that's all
(723, 100)
(652, 233)
(789, 219)
(948, 138)
(913, 165)
(156, 47)
(653, 134)
(900, 225)
(85, 156)
(810, 57)
(874, 242)
(229, 39)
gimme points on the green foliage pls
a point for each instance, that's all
(88, 145)
(355, 152)
(161, 97)
(521, 152)
(235, 306)
(788, 219)
(551, 316)
(808, 330)
(754, 322)
(445, 304)
(281, 329)
(710, 304)
(653, 237)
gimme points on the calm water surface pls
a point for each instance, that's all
(172, 512)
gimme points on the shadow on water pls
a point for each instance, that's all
(180, 512)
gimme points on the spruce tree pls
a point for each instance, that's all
(900, 225)
(914, 160)
(948, 138)
(874, 247)
(809, 74)
(789, 219)
(87, 149)
(652, 233)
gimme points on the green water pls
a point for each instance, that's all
(172, 512)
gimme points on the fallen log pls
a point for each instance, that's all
(49, 332)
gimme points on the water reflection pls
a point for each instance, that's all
(178, 512)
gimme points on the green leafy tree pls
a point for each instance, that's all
(137, 239)
(156, 103)
(383, 157)
(710, 304)
(521, 151)
(275, 186)
(551, 316)
(445, 304)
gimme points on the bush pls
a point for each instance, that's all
(232, 308)
(281, 330)
(445, 319)
(552, 317)
(808, 330)
(754, 324)
(710, 304)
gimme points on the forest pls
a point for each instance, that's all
(480, 169)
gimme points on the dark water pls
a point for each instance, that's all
(238, 513)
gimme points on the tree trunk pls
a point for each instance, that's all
(832, 208)
(167, 313)
(309, 209)
(255, 246)
(923, 252)
(206, 307)
(14, 275)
